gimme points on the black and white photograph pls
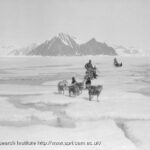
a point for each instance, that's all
(74, 75)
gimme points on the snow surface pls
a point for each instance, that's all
(32, 109)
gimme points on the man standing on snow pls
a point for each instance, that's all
(90, 69)
(89, 65)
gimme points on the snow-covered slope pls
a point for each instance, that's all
(5, 50)
(129, 51)
(22, 51)
(62, 44)
(93, 47)
(67, 39)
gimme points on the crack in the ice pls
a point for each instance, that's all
(62, 120)
(126, 133)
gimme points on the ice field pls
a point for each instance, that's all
(32, 110)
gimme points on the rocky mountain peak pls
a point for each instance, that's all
(64, 44)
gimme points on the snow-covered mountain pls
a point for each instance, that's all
(94, 47)
(121, 50)
(130, 51)
(68, 40)
(23, 51)
(5, 50)
(62, 44)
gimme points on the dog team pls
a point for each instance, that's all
(76, 88)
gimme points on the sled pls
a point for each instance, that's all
(118, 64)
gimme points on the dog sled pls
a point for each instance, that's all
(75, 88)
(116, 64)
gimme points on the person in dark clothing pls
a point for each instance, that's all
(73, 80)
(89, 65)
(115, 61)
(73, 88)
(88, 82)
(90, 69)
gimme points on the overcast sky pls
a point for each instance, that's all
(119, 22)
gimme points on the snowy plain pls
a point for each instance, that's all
(32, 109)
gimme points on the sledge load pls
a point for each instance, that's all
(116, 63)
